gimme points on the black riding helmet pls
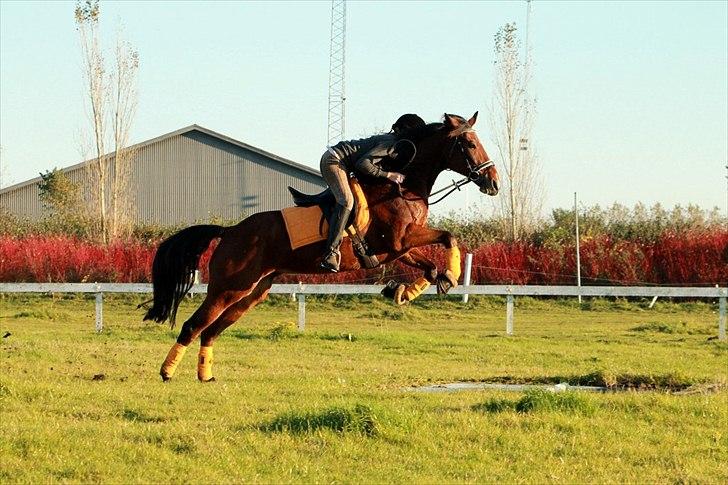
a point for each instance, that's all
(406, 122)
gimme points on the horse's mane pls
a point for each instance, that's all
(421, 132)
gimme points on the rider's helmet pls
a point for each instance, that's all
(407, 122)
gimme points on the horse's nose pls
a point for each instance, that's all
(495, 185)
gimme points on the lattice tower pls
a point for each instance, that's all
(337, 58)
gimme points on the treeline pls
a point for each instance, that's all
(618, 222)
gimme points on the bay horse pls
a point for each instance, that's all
(252, 253)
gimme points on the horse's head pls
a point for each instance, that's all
(466, 155)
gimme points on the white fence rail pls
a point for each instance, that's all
(301, 290)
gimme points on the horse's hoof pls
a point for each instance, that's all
(445, 282)
(165, 376)
(211, 379)
(390, 289)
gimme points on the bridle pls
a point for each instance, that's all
(474, 168)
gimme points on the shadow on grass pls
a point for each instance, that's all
(286, 332)
(360, 419)
(42, 314)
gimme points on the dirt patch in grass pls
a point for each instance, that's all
(704, 388)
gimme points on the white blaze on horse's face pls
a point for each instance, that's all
(473, 162)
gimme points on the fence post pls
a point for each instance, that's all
(509, 314)
(195, 281)
(722, 318)
(468, 270)
(99, 311)
(301, 312)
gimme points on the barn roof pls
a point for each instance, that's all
(183, 131)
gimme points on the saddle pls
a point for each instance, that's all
(325, 201)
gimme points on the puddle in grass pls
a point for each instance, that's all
(472, 386)
(599, 381)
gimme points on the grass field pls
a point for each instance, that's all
(329, 405)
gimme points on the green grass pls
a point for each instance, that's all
(329, 405)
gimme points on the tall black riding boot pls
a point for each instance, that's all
(332, 258)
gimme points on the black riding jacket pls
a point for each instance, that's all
(363, 155)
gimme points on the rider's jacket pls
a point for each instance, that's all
(363, 155)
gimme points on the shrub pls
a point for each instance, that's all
(687, 259)
(68, 259)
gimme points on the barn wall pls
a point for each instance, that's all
(24, 200)
(190, 177)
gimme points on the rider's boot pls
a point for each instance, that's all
(332, 258)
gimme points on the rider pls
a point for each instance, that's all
(358, 156)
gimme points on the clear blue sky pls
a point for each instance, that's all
(632, 96)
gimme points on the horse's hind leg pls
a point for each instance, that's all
(229, 316)
(213, 306)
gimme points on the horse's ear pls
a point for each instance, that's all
(471, 121)
(451, 122)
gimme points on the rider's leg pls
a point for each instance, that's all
(332, 258)
(335, 176)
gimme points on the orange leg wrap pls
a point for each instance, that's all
(453, 262)
(172, 361)
(409, 293)
(204, 364)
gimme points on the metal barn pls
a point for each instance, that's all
(188, 176)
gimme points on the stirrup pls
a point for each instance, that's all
(332, 266)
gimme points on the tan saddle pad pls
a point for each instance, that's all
(307, 225)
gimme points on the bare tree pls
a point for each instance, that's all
(87, 22)
(124, 107)
(512, 112)
(112, 99)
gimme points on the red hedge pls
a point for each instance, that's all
(685, 258)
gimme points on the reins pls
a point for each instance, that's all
(455, 186)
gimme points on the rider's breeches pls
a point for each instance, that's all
(334, 174)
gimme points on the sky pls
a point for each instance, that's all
(632, 97)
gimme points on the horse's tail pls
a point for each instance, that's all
(173, 270)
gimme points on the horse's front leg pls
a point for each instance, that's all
(416, 259)
(402, 293)
(424, 236)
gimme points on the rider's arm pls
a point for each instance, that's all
(365, 163)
